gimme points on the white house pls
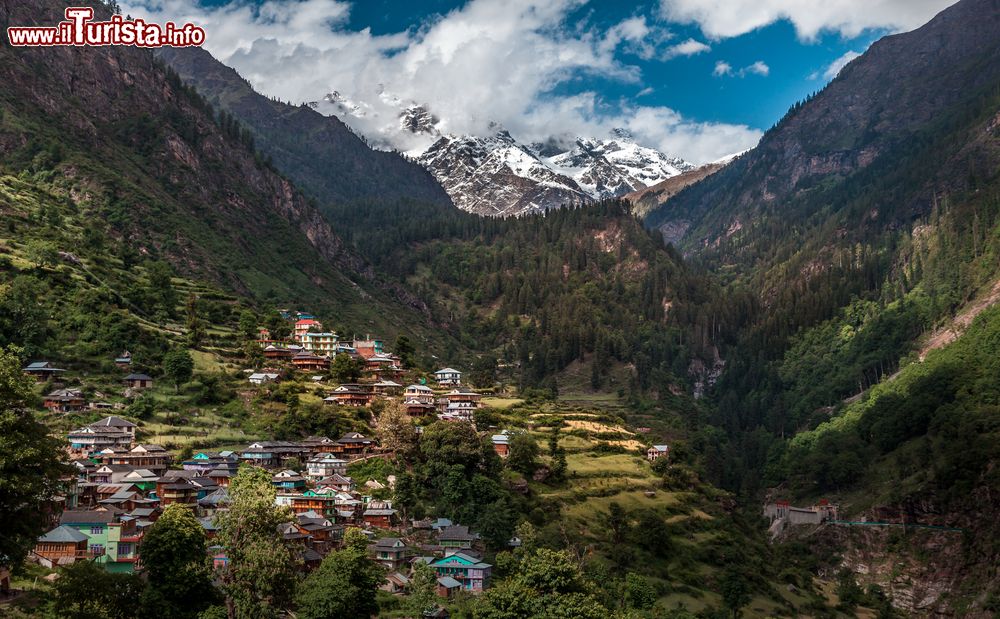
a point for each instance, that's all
(259, 378)
(419, 393)
(448, 376)
(656, 451)
(325, 465)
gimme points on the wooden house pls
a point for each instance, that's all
(308, 362)
(138, 381)
(65, 400)
(63, 545)
(41, 371)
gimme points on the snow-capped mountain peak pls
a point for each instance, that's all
(496, 174)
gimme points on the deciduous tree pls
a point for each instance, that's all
(259, 580)
(174, 555)
(178, 366)
(30, 463)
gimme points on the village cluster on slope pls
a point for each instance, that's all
(122, 484)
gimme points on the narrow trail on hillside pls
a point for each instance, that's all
(947, 334)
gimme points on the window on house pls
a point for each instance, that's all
(96, 530)
(97, 549)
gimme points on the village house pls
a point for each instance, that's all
(42, 371)
(259, 378)
(320, 343)
(338, 482)
(63, 545)
(308, 362)
(419, 393)
(138, 381)
(124, 360)
(448, 376)
(206, 461)
(288, 480)
(324, 465)
(379, 514)
(109, 473)
(461, 405)
(447, 586)
(387, 388)
(214, 502)
(501, 444)
(323, 532)
(416, 408)
(395, 583)
(473, 574)
(147, 456)
(351, 394)
(112, 541)
(321, 444)
(367, 347)
(65, 400)
(108, 433)
(143, 479)
(176, 490)
(304, 326)
(383, 367)
(322, 502)
(389, 552)
(272, 454)
(657, 451)
(456, 537)
(127, 498)
(280, 353)
(222, 474)
(355, 444)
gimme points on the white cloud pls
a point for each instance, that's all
(757, 68)
(720, 19)
(834, 69)
(722, 68)
(687, 48)
(488, 61)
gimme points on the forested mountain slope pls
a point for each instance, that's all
(881, 188)
(117, 136)
(540, 292)
(859, 228)
(892, 105)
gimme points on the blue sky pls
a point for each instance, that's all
(696, 78)
(686, 84)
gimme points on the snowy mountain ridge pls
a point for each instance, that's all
(499, 176)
